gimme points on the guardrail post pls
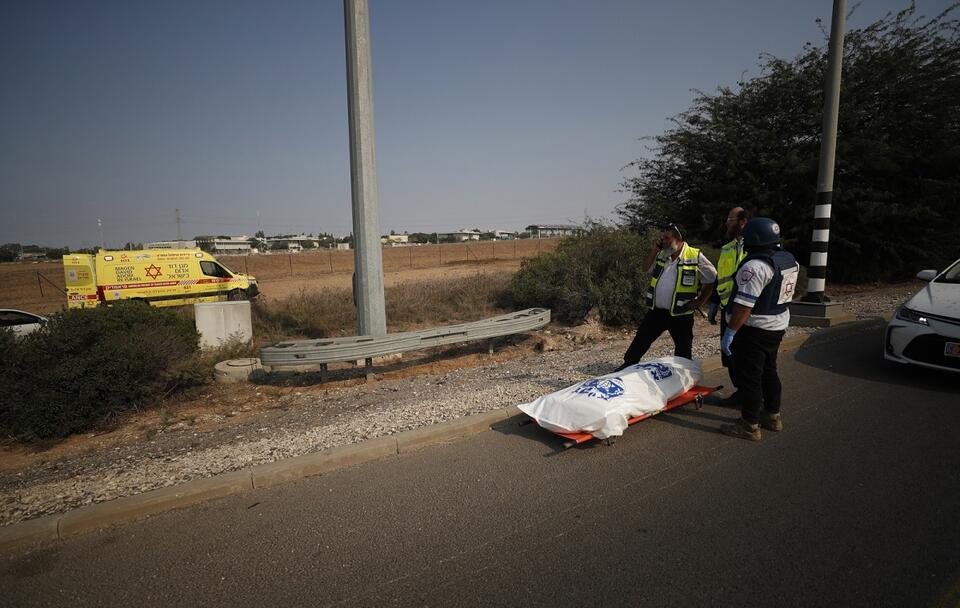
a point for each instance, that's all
(368, 369)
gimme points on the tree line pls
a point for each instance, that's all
(756, 144)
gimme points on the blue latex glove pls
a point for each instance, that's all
(726, 341)
(712, 313)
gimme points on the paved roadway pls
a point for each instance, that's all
(857, 503)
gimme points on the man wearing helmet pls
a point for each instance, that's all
(681, 280)
(756, 322)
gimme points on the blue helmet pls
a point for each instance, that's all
(762, 233)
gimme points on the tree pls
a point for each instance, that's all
(897, 179)
(9, 252)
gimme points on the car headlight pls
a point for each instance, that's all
(907, 314)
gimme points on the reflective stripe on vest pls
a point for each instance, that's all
(727, 270)
(688, 280)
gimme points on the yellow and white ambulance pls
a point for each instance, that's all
(159, 277)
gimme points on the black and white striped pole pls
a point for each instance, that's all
(817, 271)
(815, 308)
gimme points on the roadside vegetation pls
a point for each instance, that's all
(319, 313)
(600, 272)
(86, 367)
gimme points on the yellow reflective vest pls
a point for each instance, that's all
(688, 280)
(731, 255)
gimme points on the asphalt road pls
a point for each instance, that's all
(856, 503)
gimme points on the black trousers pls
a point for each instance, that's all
(653, 325)
(726, 360)
(755, 366)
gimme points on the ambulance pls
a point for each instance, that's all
(159, 277)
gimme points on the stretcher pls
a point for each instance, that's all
(694, 395)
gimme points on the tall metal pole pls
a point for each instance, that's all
(368, 283)
(817, 271)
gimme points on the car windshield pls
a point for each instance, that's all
(952, 275)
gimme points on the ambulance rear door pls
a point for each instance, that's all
(81, 280)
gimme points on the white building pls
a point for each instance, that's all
(395, 240)
(460, 235)
(171, 245)
(542, 231)
(228, 245)
(292, 244)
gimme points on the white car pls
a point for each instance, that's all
(22, 323)
(926, 329)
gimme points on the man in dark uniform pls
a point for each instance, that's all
(756, 322)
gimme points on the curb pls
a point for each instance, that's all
(139, 506)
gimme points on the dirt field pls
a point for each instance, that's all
(36, 286)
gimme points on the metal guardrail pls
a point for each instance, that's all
(299, 353)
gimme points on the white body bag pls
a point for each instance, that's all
(602, 406)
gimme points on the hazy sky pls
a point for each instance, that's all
(493, 114)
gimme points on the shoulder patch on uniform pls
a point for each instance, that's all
(745, 275)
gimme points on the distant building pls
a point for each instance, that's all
(171, 245)
(395, 240)
(460, 235)
(292, 244)
(226, 245)
(541, 231)
(504, 235)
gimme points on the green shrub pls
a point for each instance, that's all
(89, 365)
(600, 269)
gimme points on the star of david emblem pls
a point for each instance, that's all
(153, 271)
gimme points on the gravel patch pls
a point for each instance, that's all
(308, 421)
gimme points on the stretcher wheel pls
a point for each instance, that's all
(698, 402)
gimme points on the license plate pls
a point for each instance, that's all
(951, 349)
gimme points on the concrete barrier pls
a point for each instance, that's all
(221, 322)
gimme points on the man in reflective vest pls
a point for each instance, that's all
(731, 255)
(756, 321)
(681, 280)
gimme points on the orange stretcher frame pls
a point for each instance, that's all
(694, 395)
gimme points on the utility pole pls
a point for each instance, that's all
(815, 308)
(100, 228)
(179, 233)
(368, 255)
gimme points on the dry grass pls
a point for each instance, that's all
(330, 312)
